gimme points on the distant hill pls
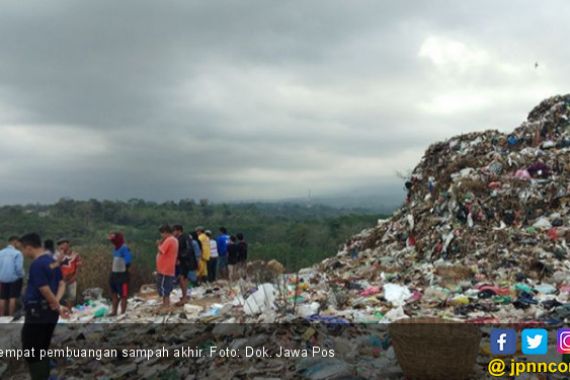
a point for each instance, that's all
(384, 199)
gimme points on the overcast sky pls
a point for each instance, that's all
(235, 100)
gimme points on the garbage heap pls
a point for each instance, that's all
(482, 235)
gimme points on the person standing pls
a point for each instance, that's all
(213, 262)
(119, 279)
(223, 240)
(49, 246)
(11, 276)
(195, 243)
(242, 255)
(183, 261)
(205, 256)
(43, 294)
(166, 263)
(70, 262)
(232, 258)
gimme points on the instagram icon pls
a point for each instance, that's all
(563, 341)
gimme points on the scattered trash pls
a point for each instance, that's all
(263, 299)
(192, 310)
(321, 369)
(396, 294)
(306, 310)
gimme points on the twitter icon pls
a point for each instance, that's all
(534, 341)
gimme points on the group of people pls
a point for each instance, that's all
(52, 276)
(43, 296)
(12, 272)
(187, 258)
(196, 258)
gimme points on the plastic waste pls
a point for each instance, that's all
(306, 310)
(101, 312)
(545, 288)
(321, 369)
(396, 294)
(193, 309)
(542, 224)
(370, 291)
(261, 300)
(523, 288)
(395, 315)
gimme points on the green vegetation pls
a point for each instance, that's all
(294, 234)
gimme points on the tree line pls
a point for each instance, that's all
(297, 235)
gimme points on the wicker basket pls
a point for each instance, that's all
(434, 349)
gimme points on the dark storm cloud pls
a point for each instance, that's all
(256, 99)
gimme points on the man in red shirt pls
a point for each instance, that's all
(166, 263)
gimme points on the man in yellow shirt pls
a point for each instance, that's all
(205, 257)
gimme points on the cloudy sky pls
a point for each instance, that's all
(259, 99)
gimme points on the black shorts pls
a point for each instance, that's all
(11, 289)
(186, 265)
(182, 269)
(232, 260)
(120, 284)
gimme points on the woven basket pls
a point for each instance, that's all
(434, 349)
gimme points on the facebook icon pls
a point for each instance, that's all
(503, 341)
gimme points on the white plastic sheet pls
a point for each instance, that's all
(396, 294)
(263, 299)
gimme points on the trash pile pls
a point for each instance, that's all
(482, 236)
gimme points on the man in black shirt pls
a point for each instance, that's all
(242, 255)
(183, 262)
(232, 258)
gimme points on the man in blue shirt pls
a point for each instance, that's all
(11, 277)
(223, 241)
(119, 279)
(43, 294)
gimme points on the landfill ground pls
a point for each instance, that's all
(481, 239)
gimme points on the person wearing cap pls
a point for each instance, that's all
(70, 262)
(42, 303)
(213, 262)
(166, 263)
(119, 280)
(11, 276)
(205, 256)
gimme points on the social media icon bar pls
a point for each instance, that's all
(504, 341)
(563, 341)
(535, 341)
